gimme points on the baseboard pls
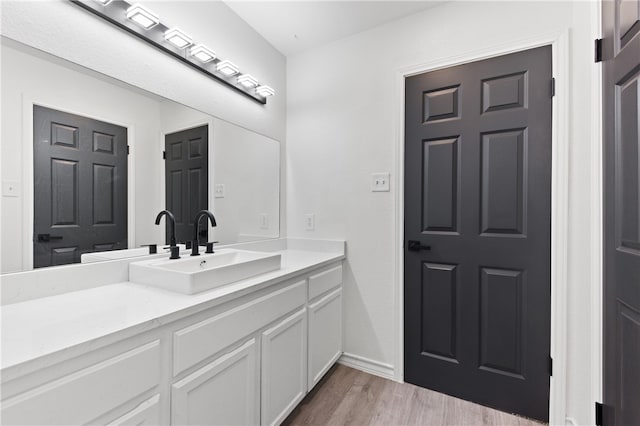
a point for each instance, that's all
(367, 365)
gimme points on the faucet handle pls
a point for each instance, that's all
(210, 247)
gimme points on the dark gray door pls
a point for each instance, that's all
(478, 191)
(187, 186)
(80, 187)
(621, 108)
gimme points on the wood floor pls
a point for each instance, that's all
(346, 396)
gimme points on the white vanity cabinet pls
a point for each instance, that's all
(325, 323)
(224, 392)
(91, 393)
(284, 367)
(249, 360)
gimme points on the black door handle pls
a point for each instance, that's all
(45, 238)
(416, 246)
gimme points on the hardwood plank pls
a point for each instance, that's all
(346, 396)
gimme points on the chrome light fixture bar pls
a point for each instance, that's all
(146, 25)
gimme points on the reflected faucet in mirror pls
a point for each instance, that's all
(172, 221)
(196, 223)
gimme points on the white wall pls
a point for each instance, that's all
(343, 124)
(65, 30)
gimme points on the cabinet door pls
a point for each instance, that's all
(284, 367)
(325, 335)
(224, 392)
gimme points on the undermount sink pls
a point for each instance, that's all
(193, 274)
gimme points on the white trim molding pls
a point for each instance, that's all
(367, 365)
(597, 215)
(559, 42)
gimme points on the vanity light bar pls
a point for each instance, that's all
(227, 68)
(202, 53)
(145, 24)
(178, 38)
(142, 16)
(265, 91)
(247, 81)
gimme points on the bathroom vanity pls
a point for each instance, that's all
(127, 353)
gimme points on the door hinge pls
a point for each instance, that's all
(550, 366)
(599, 408)
(164, 155)
(598, 50)
(553, 87)
(128, 149)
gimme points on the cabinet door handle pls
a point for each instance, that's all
(417, 246)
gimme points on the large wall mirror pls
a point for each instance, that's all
(70, 186)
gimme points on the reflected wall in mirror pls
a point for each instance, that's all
(243, 166)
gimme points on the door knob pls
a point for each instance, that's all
(417, 246)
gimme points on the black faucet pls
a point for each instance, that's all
(172, 222)
(196, 223)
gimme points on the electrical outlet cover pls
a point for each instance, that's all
(309, 222)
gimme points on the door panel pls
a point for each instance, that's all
(478, 191)
(80, 186)
(621, 304)
(186, 174)
(440, 197)
(439, 316)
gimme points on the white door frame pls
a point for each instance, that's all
(29, 100)
(559, 42)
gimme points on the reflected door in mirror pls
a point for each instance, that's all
(80, 187)
(186, 173)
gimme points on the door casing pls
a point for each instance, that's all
(559, 42)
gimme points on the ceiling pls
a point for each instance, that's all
(297, 25)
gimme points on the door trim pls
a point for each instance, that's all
(596, 259)
(559, 42)
(28, 102)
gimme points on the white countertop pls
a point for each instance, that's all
(78, 321)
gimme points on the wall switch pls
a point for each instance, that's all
(219, 190)
(10, 188)
(264, 221)
(380, 182)
(309, 222)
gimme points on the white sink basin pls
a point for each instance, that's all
(193, 274)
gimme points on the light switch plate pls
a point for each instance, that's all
(10, 188)
(219, 190)
(380, 182)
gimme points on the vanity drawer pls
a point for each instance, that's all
(87, 394)
(203, 339)
(324, 281)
